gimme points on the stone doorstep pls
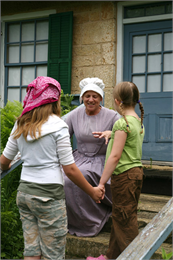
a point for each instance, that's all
(81, 247)
(158, 170)
(157, 174)
(160, 164)
(149, 206)
(147, 202)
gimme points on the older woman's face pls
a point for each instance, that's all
(92, 101)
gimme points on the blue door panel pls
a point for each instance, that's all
(158, 129)
(157, 151)
(156, 105)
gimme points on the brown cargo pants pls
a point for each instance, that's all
(126, 188)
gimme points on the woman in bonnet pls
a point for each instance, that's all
(86, 218)
(42, 138)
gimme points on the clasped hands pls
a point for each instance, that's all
(99, 193)
(107, 136)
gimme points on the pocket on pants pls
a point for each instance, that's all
(135, 176)
(122, 214)
(135, 184)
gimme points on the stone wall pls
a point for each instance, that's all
(94, 38)
(94, 52)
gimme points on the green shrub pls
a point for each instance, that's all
(11, 226)
(12, 243)
(66, 106)
(8, 117)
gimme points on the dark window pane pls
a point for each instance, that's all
(148, 10)
(132, 13)
(155, 10)
(169, 8)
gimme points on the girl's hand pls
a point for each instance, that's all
(104, 134)
(97, 195)
(102, 187)
(5, 163)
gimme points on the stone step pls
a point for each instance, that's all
(149, 206)
(81, 247)
(152, 203)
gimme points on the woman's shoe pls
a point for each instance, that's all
(101, 257)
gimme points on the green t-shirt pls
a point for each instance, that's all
(132, 152)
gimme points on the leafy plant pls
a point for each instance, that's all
(12, 244)
(165, 255)
(8, 117)
(11, 226)
(66, 106)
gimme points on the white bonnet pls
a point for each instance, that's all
(91, 84)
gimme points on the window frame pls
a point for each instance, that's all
(13, 18)
(162, 52)
(120, 30)
(21, 64)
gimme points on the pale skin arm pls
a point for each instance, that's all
(72, 172)
(117, 149)
(75, 175)
(104, 134)
(5, 163)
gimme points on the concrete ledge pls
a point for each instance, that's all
(158, 163)
(158, 172)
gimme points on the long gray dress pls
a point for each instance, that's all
(85, 216)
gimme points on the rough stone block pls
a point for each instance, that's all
(98, 32)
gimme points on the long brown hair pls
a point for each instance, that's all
(128, 93)
(31, 122)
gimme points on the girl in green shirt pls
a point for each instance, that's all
(123, 165)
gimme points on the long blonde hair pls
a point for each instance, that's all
(31, 122)
(128, 93)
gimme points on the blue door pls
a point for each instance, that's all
(148, 62)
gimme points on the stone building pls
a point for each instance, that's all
(112, 40)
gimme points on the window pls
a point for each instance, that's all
(151, 56)
(152, 53)
(37, 47)
(148, 9)
(26, 49)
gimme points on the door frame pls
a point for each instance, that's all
(120, 42)
(120, 31)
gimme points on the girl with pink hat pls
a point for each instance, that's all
(42, 138)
